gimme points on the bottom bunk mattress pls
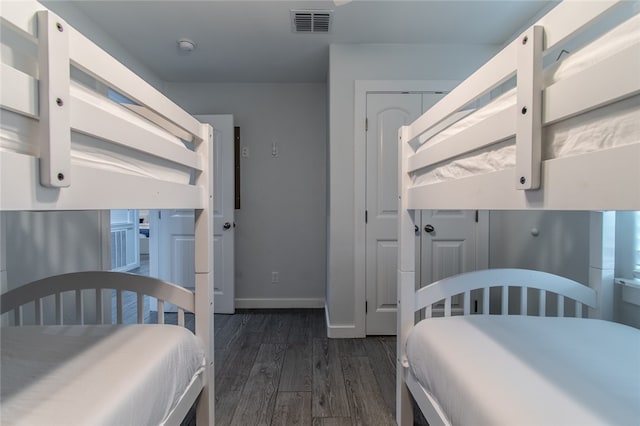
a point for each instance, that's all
(516, 370)
(98, 375)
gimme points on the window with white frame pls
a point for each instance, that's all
(125, 249)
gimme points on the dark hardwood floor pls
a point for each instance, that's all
(277, 367)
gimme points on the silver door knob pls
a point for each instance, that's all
(226, 226)
(429, 228)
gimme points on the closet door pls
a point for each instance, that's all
(453, 242)
(172, 246)
(386, 112)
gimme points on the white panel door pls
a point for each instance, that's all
(386, 112)
(172, 248)
(453, 242)
(174, 229)
(223, 212)
(176, 246)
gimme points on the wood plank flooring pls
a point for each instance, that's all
(277, 367)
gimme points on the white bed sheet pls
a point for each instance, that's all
(97, 375)
(514, 370)
(615, 125)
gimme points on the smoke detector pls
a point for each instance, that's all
(186, 45)
(311, 21)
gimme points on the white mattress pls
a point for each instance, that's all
(514, 370)
(97, 375)
(615, 125)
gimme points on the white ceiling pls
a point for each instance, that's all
(252, 41)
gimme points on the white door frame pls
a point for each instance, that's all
(362, 87)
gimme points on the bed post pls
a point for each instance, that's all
(406, 281)
(54, 101)
(602, 239)
(204, 278)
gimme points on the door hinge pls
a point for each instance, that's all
(366, 216)
(366, 124)
(366, 307)
(476, 216)
(159, 214)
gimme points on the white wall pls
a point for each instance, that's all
(348, 63)
(561, 247)
(281, 225)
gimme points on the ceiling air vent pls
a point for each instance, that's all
(311, 21)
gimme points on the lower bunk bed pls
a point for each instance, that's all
(103, 373)
(520, 369)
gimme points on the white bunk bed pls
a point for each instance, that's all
(566, 138)
(79, 131)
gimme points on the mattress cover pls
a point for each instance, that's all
(515, 370)
(97, 375)
(614, 125)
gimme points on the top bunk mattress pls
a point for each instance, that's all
(614, 125)
(98, 375)
(519, 370)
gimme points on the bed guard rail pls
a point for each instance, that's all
(43, 91)
(536, 105)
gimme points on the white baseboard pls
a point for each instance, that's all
(339, 331)
(279, 303)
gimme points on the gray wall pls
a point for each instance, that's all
(282, 223)
(561, 247)
(36, 245)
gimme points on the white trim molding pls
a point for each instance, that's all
(267, 303)
(339, 331)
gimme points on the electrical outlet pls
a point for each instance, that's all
(245, 152)
(275, 277)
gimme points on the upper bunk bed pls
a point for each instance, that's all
(80, 131)
(562, 139)
(78, 127)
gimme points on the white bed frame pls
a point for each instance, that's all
(100, 283)
(52, 181)
(430, 297)
(603, 180)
